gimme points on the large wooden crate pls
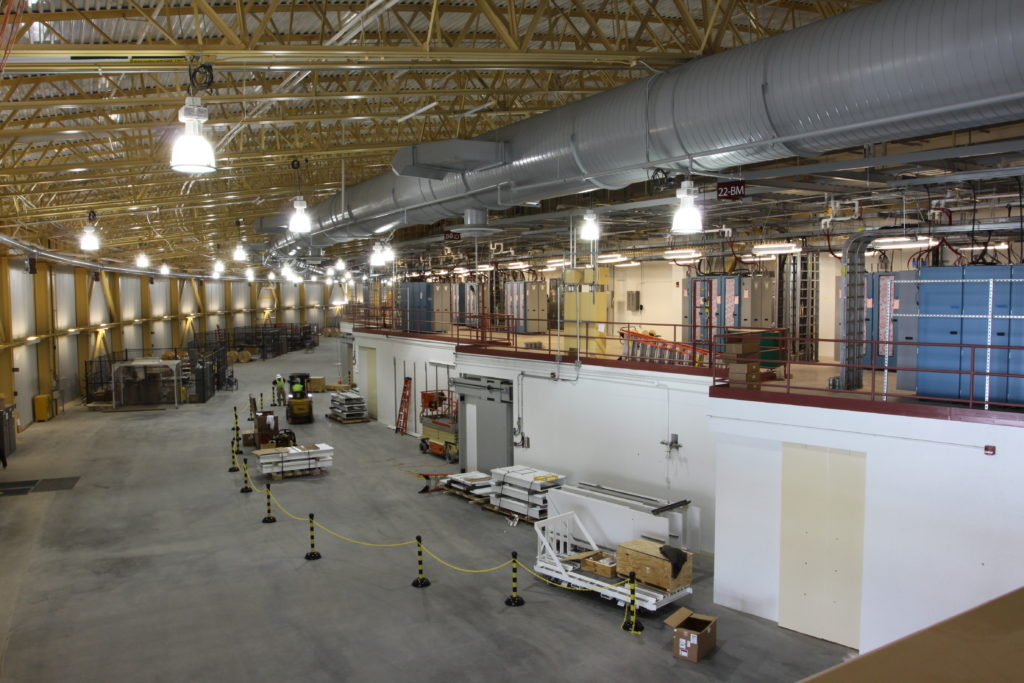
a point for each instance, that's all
(645, 558)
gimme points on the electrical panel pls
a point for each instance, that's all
(633, 301)
(526, 303)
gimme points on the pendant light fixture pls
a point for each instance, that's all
(377, 256)
(590, 229)
(250, 275)
(165, 269)
(89, 240)
(299, 223)
(339, 265)
(142, 261)
(192, 152)
(271, 275)
(239, 254)
(389, 254)
(218, 266)
(687, 219)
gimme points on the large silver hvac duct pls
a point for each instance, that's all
(893, 70)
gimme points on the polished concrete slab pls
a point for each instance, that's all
(154, 567)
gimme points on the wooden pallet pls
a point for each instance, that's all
(278, 476)
(350, 421)
(509, 514)
(476, 500)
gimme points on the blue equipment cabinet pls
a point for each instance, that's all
(975, 331)
(940, 294)
(1015, 358)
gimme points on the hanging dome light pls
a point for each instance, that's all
(239, 254)
(250, 275)
(286, 272)
(687, 219)
(216, 275)
(389, 254)
(142, 261)
(339, 265)
(271, 275)
(218, 266)
(89, 241)
(313, 278)
(330, 270)
(192, 152)
(590, 229)
(299, 223)
(377, 257)
(165, 269)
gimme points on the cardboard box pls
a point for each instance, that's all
(249, 438)
(644, 557)
(694, 635)
(744, 372)
(316, 384)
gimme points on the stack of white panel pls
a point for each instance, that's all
(523, 490)
(295, 458)
(477, 483)
(348, 405)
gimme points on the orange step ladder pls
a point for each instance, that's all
(403, 409)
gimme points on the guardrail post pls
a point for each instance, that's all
(632, 623)
(312, 554)
(420, 581)
(515, 600)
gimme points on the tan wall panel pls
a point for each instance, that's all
(822, 551)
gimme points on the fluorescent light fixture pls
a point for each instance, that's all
(776, 248)
(556, 262)
(906, 242)
(548, 269)
(192, 152)
(590, 230)
(142, 261)
(758, 257)
(629, 264)
(421, 110)
(440, 272)
(218, 266)
(990, 247)
(474, 110)
(484, 268)
(687, 219)
(250, 274)
(239, 253)
(679, 254)
(89, 240)
(610, 258)
(459, 270)
(299, 223)
(383, 228)
(517, 265)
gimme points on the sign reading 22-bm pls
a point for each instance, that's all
(732, 189)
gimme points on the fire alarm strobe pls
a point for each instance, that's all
(990, 450)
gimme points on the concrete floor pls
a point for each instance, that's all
(154, 567)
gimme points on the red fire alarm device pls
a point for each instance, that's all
(990, 450)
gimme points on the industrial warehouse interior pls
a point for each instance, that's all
(559, 339)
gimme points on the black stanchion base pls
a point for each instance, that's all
(514, 601)
(232, 469)
(628, 625)
(420, 582)
(245, 489)
(313, 555)
(269, 519)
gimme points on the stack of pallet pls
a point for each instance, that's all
(523, 490)
(471, 483)
(295, 460)
(348, 406)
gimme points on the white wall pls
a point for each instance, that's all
(23, 312)
(660, 297)
(162, 335)
(605, 426)
(67, 363)
(943, 522)
(64, 298)
(159, 296)
(98, 312)
(131, 297)
(26, 382)
(828, 271)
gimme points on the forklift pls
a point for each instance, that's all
(300, 403)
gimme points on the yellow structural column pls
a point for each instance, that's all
(254, 304)
(146, 311)
(83, 295)
(174, 288)
(6, 352)
(278, 309)
(111, 283)
(46, 349)
(302, 303)
(229, 314)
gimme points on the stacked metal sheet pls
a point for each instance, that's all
(475, 483)
(295, 458)
(523, 490)
(348, 405)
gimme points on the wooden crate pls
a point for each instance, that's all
(645, 558)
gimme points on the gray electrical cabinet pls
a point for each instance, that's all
(526, 303)
(485, 422)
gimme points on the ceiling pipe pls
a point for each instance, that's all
(779, 97)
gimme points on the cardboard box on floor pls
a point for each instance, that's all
(694, 635)
(316, 384)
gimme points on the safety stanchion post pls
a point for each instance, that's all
(632, 623)
(420, 581)
(270, 518)
(245, 475)
(312, 554)
(261, 401)
(234, 460)
(515, 600)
